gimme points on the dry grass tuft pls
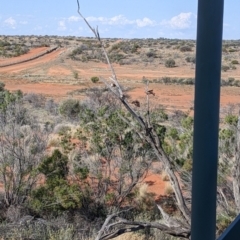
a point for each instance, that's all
(142, 191)
(165, 177)
(168, 189)
(53, 142)
(132, 236)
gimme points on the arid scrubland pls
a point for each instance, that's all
(68, 162)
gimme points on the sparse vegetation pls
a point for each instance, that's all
(170, 63)
(225, 68)
(70, 108)
(185, 48)
(8, 49)
(235, 62)
(75, 75)
(57, 194)
(88, 149)
(95, 79)
(190, 59)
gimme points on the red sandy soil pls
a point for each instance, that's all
(171, 96)
(155, 185)
(57, 67)
(49, 89)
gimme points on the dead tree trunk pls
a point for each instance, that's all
(148, 134)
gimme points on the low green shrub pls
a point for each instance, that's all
(170, 63)
(231, 119)
(225, 68)
(57, 194)
(190, 59)
(94, 79)
(235, 62)
(185, 48)
(70, 108)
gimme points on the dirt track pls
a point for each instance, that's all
(52, 75)
(29, 58)
(34, 57)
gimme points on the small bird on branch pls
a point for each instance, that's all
(113, 85)
(148, 130)
(150, 92)
(136, 103)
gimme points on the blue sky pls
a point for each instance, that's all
(114, 18)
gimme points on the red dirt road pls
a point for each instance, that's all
(56, 71)
(25, 65)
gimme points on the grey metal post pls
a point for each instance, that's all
(206, 118)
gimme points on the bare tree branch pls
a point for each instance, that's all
(97, 35)
(108, 219)
(136, 226)
(150, 136)
(179, 230)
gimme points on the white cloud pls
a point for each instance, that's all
(10, 22)
(74, 19)
(62, 25)
(116, 20)
(181, 21)
(122, 20)
(119, 20)
(144, 22)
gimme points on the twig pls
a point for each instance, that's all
(108, 219)
(97, 35)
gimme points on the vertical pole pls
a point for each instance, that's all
(206, 118)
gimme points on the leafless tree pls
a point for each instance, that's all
(22, 146)
(146, 132)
